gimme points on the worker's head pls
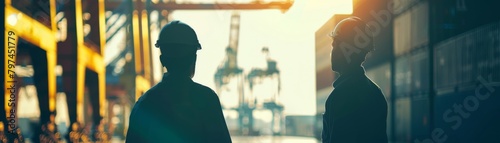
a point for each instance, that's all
(178, 44)
(352, 40)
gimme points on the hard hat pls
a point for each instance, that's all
(177, 32)
(355, 31)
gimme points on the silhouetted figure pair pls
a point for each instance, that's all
(356, 110)
(178, 110)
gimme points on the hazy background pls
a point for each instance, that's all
(289, 36)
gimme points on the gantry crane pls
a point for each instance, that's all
(273, 104)
(26, 34)
(80, 55)
(229, 70)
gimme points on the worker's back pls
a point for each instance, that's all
(178, 110)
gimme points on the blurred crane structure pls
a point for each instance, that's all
(229, 71)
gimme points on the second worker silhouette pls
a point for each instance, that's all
(356, 110)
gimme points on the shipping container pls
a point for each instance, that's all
(444, 59)
(419, 25)
(460, 60)
(420, 104)
(495, 50)
(402, 80)
(464, 48)
(420, 117)
(399, 6)
(402, 33)
(453, 17)
(470, 113)
(412, 105)
(420, 73)
(411, 29)
(481, 47)
(465, 118)
(403, 119)
(467, 49)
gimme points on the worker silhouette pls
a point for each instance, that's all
(356, 110)
(177, 109)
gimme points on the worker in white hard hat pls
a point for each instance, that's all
(178, 110)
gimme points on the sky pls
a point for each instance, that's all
(289, 36)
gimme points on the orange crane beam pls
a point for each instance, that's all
(219, 6)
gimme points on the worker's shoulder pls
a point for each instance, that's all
(202, 89)
(146, 95)
(361, 81)
(358, 85)
(153, 90)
